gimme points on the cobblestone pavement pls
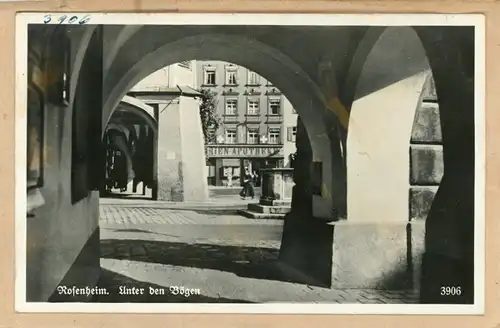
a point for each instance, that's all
(116, 214)
(214, 258)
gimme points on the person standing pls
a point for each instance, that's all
(256, 179)
(243, 192)
(250, 186)
(248, 189)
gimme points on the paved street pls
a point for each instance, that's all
(213, 256)
(216, 195)
(223, 192)
(220, 198)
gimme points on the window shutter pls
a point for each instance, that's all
(289, 134)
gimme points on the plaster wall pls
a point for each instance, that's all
(380, 127)
(59, 230)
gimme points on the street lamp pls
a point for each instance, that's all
(263, 139)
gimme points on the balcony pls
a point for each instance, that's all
(231, 119)
(253, 118)
(274, 119)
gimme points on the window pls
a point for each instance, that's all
(253, 107)
(231, 107)
(209, 78)
(231, 76)
(253, 136)
(274, 136)
(253, 78)
(231, 136)
(291, 133)
(274, 106)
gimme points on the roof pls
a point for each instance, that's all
(180, 90)
(188, 91)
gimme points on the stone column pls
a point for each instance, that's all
(376, 247)
(449, 237)
(372, 248)
(218, 168)
(122, 144)
(181, 157)
(301, 194)
(153, 139)
(307, 241)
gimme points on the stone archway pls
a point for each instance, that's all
(302, 92)
(140, 109)
(117, 138)
(133, 141)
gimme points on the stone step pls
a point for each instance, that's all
(268, 202)
(261, 216)
(259, 208)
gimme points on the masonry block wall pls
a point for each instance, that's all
(426, 158)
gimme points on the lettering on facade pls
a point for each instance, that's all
(244, 151)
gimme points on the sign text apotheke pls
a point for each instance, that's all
(232, 151)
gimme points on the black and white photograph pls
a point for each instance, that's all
(250, 163)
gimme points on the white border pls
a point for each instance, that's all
(476, 20)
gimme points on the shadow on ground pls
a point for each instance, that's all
(124, 195)
(216, 212)
(112, 281)
(249, 262)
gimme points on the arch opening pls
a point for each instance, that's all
(300, 90)
(380, 126)
(129, 140)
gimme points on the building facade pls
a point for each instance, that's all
(258, 123)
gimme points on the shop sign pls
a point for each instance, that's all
(244, 152)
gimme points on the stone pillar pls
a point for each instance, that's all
(373, 247)
(301, 193)
(218, 168)
(307, 241)
(449, 233)
(153, 139)
(376, 247)
(181, 156)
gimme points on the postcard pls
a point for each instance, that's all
(250, 163)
